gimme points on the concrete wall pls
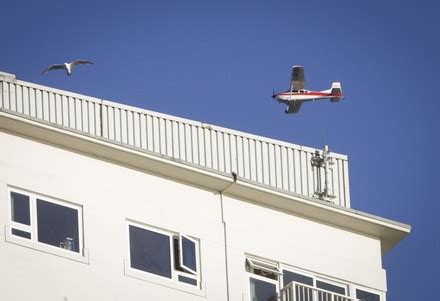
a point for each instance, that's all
(297, 242)
(110, 194)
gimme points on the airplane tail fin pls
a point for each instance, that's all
(336, 89)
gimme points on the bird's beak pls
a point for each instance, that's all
(274, 96)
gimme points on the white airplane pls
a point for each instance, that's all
(295, 97)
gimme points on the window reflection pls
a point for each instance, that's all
(189, 254)
(262, 291)
(20, 208)
(150, 251)
(366, 296)
(58, 225)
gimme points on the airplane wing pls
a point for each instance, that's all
(297, 80)
(294, 107)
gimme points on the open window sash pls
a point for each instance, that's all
(264, 265)
(188, 254)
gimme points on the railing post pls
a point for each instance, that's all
(293, 291)
(101, 129)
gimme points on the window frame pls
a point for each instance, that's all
(19, 226)
(255, 262)
(299, 272)
(174, 281)
(261, 278)
(33, 242)
(260, 264)
(350, 288)
(196, 247)
(368, 290)
(155, 230)
(345, 285)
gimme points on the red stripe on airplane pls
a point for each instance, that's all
(310, 93)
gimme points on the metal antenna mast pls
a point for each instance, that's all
(321, 162)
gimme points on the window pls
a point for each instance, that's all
(262, 289)
(20, 214)
(311, 280)
(308, 287)
(366, 296)
(330, 287)
(40, 221)
(188, 254)
(58, 225)
(150, 251)
(263, 268)
(263, 279)
(269, 280)
(289, 276)
(164, 254)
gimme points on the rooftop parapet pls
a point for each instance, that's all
(274, 164)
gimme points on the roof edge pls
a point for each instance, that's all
(4, 76)
(388, 231)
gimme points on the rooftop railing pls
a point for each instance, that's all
(271, 163)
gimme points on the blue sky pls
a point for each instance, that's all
(217, 62)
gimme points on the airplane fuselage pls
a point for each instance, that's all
(304, 95)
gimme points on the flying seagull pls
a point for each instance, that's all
(66, 66)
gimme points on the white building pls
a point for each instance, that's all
(102, 201)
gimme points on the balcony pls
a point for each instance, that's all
(301, 292)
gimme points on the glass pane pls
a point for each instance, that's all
(21, 233)
(262, 290)
(366, 296)
(289, 276)
(57, 225)
(189, 254)
(330, 287)
(150, 251)
(20, 208)
(187, 280)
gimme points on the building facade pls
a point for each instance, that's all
(102, 201)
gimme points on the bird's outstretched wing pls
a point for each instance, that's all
(53, 67)
(79, 62)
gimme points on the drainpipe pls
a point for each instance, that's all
(234, 177)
